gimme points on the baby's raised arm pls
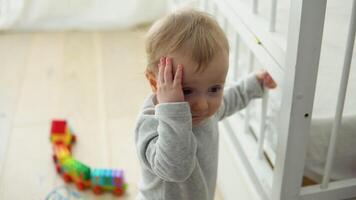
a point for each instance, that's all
(240, 94)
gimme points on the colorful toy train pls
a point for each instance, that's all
(72, 170)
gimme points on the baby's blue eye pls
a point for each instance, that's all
(187, 91)
(215, 89)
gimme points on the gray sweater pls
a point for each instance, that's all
(178, 160)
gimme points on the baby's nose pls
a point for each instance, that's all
(200, 105)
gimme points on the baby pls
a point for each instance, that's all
(176, 133)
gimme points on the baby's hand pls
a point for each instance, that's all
(169, 89)
(265, 79)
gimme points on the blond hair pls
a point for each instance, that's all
(190, 32)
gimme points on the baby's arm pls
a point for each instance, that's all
(165, 141)
(239, 95)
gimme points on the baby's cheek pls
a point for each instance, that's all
(214, 105)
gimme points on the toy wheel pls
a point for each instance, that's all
(74, 138)
(80, 185)
(118, 192)
(67, 178)
(97, 190)
(54, 158)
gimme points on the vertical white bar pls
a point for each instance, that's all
(255, 6)
(306, 23)
(341, 98)
(225, 25)
(261, 139)
(204, 5)
(251, 60)
(232, 57)
(209, 6)
(222, 20)
(236, 56)
(273, 15)
(215, 8)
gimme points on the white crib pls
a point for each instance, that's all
(304, 128)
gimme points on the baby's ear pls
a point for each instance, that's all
(152, 80)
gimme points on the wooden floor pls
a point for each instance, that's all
(94, 80)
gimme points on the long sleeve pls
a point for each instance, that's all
(239, 95)
(165, 142)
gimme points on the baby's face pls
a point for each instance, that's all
(203, 90)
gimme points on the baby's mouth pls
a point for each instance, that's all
(197, 118)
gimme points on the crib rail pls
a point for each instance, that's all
(279, 175)
(288, 174)
(273, 13)
(264, 30)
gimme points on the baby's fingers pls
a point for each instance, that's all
(168, 71)
(178, 76)
(161, 71)
(269, 82)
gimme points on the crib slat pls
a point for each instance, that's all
(251, 61)
(209, 6)
(205, 4)
(306, 25)
(273, 15)
(261, 139)
(341, 97)
(215, 8)
(247, 109)
(255, 6)
(236, 56)
(225, 25)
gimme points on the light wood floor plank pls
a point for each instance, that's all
(14, 50)
(26, 166)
